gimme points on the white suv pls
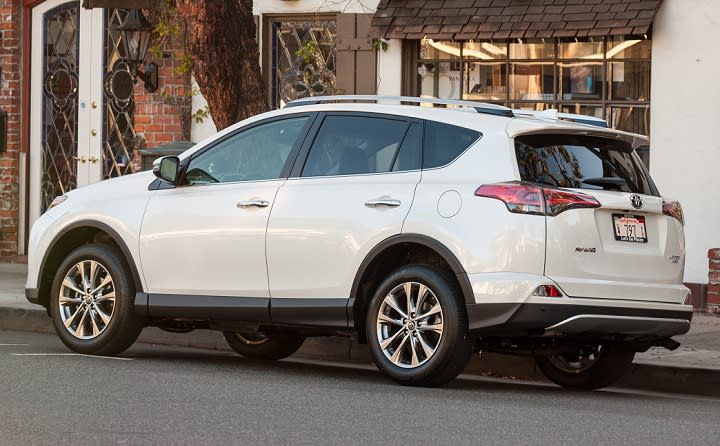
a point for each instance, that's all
(427, 232)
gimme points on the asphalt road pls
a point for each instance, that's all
(161, 395)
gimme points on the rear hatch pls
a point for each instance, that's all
(623, 242)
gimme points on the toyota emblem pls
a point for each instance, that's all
(636, 201)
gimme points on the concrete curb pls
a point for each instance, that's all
(657, 378)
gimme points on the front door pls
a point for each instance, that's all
(207, 238)
(82, 100)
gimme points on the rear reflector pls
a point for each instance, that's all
(674, 209)
(688, 299)
(547, 291)
(536, 200)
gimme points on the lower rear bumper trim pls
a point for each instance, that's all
(623, 325)
(515, 319)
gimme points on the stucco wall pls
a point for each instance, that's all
(685, 152)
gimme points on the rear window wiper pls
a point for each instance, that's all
(605, 181)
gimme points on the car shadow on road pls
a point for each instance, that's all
(340, 375)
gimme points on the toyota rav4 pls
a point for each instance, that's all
(426, 232)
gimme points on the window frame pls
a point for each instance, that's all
(284, 172)
(303, 156)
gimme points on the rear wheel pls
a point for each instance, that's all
(417, 327)
(91, 301)
(590, 367)
(261, 345)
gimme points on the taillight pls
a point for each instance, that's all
(547, 291)
(517, 197)
(559, 201)
(528, 199)
(674, 209)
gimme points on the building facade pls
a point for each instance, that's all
(74, 112)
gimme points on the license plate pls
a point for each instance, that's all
(629, 228)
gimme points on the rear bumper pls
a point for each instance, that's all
(557, 319)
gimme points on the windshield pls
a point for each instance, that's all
(582, 162)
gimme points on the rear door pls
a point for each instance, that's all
(353, 190)
(626, 248)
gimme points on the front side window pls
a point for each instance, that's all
(352, 145)
(258, 153)
(582, 162)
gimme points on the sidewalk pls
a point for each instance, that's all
(692, 368)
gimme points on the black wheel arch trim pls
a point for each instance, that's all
(420, 239)
(102, 227)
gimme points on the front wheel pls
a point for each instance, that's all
(91, 301)
(417, 327)
(590, 367)
(261, 345)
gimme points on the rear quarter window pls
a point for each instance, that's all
(444, 142)
(582, 162)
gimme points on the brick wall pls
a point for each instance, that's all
(10, 103)
(164, 116)
(713, 292)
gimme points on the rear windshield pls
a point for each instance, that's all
(583, 162)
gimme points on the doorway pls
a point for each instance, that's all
(81, 102)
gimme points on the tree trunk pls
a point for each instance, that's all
(225, 57)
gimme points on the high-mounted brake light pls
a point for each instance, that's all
(528, 199)
(674, 209)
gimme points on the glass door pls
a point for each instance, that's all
(66, 96)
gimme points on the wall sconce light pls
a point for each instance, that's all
(135, 34)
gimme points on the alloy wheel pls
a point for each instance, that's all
(87, 299)
(410, 325)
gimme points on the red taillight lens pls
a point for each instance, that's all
(527, 199)
(547, 291)
(674, 209)
(517, 197)
(558, 201)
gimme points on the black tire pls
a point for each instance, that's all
(270, 346)
(609, 365)
(452, 347)
(123, 327)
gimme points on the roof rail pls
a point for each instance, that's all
(555, 115)
(480, 107)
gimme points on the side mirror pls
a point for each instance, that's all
(166, 168)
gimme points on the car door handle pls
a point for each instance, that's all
(253, 203)
(389, 202)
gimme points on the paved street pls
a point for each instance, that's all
(164, 395)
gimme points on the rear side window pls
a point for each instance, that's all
(582, 162)
(350, 145)
(444, 142)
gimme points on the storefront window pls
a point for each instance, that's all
(440, 79)
(606, 78)
(629, 81)
(580, 80)
(532, 81)
(621, 48)
(580, 50)
(485, 81)
(532, 50)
